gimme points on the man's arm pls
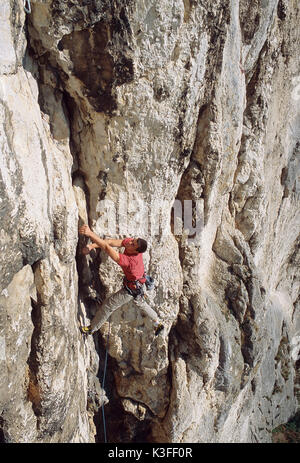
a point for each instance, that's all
(103, 244)
(89, 247)
(114, 243)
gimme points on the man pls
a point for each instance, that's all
(131, 262)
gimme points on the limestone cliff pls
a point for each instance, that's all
(139, 105)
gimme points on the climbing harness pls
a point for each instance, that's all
(137, 288)
(28, 7)
(103, 380)
(134, 287)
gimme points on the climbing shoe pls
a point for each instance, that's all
(86, 330)
(159, 328)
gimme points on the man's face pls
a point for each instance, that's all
(132, 245)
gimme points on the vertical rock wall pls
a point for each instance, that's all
(150, 103)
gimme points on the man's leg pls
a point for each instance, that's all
(145, 307)
(110, 304)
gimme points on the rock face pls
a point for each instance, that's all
(113, 113)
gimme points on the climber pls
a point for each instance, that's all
(131, 262)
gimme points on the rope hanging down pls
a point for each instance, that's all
(27, 6)
(103, 380)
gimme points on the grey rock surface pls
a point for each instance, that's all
(146, 106)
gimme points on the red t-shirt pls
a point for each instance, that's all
(132, 265)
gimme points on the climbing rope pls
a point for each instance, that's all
(103, 380)
(28, 7)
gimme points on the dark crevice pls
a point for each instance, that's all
(2, 433)
(33, 392)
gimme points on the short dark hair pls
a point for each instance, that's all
(142, 245)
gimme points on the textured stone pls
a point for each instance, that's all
(154, 102)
